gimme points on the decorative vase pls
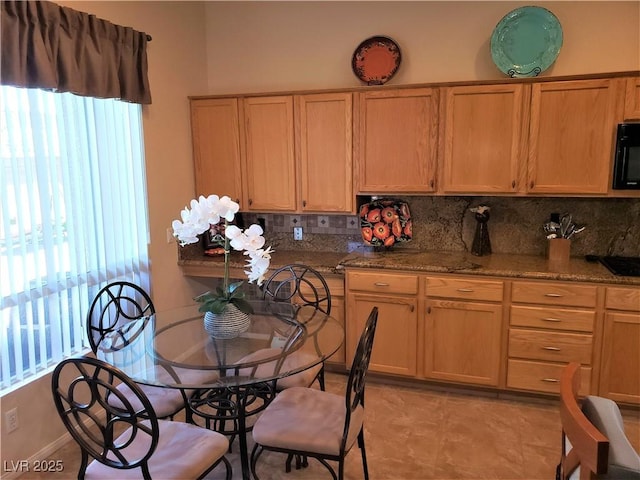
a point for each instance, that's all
(481, 243)
(228, 324)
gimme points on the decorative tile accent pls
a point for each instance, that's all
(323, 221)
(295, 221)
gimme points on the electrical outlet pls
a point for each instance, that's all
(297, 233)
(11, 419)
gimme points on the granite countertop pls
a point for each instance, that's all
(503, 265)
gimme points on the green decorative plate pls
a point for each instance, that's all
(526, 41)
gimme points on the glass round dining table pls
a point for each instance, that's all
(224, 377)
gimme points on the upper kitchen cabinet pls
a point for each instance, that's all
(571, 131)
(216, 147)
(482, 138)
(270, 167)
(632, 99)
(397, 141)
(324, 146)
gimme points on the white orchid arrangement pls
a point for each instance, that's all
(212, 210)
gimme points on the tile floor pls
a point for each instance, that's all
(418, 433)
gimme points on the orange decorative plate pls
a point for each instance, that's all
(376, 60)
(385, 222)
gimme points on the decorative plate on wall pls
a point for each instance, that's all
(385, 222)
(376, 60)
(526, 41)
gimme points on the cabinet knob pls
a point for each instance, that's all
(428, 310)
(304, 203)
(553, 295)
(532, 184)
(250, 202)
(431, 183)
(465, 290)
(551, 319)
(381, 284)
(513, 184)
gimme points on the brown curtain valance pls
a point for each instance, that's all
(45, 45)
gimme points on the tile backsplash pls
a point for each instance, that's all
(445, 223)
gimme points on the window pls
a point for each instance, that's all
(72, 217)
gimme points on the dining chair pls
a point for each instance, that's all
(118, 309)
(306, 422)
(128, 441)
(594, 444)
(301, 286)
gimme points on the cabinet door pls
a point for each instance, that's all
(620, 372)
(324, 143)
(482, 141)
(632, 99)
(462, 342)
(395, 343)
(270, 164)
(216, 147)
(397, 141)
(571, 134)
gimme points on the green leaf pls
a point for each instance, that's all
(242, 305)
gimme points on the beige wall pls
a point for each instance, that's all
(227, 47)
(176, 70)
(272, 46)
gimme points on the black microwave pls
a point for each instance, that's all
(626, 164)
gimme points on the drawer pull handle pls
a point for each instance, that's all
(550, 380)
(553, 349)
(381, 284)
(551, 319)
(465, 290)
(553, 295)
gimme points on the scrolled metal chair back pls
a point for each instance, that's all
(359, 368)
(113, 307)
(301, 284)
(81, 388)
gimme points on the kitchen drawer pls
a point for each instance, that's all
(552, 318)
(554, 294)
(378, 282)
(542, 377)
(551, 346)
(464, 288)
(335, 284)
(618, 298)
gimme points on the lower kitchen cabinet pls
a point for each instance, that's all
(462, 342)
(463, 330)
(550, 325)
(620, 366)
(395, 342)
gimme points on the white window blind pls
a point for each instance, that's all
(73, 216)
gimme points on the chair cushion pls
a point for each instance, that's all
(295, 360)
(308, 420)
(605, 416)
(184, 451)
(165, 401)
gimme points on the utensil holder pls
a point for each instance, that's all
(559, 251)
